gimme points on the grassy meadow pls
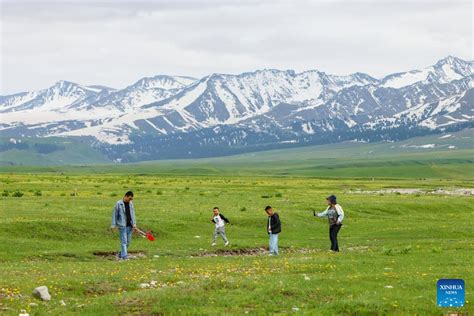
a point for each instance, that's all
(394, 247)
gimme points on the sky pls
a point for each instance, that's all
(115, 43)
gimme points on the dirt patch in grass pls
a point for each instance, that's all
(99, 289)
(66, 256)
(455, 191)
(256, 251)
(137, 306)
(112, 255)
(234, 252)
(358, 248)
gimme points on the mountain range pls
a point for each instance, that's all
(164, 117)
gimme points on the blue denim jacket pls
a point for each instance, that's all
(119, 218)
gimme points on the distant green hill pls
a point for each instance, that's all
(48, 151)
(439, 156)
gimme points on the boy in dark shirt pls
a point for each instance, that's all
(273, 229)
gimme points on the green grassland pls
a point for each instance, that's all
(394, 246)
(451, 157)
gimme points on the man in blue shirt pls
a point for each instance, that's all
(123, 220)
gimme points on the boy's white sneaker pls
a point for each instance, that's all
(227, 243)
(213, 244)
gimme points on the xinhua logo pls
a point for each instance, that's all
(450, 292)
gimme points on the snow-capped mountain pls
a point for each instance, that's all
(444, 71)
(144, 91)
(67, 106)
(224, 99)
(169, 114)
(57, 97)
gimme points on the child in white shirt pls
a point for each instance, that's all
(219, 220)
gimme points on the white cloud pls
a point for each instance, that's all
(116, 43)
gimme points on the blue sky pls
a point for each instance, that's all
(115, 43)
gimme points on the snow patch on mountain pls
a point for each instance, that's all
(444, 71)
(405, 79)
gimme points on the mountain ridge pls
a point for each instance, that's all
(271, 105)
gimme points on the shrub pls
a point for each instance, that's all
(37, 193)
(405, 250)
(387, 251)
(243, 209)
(267, 196)
(278, 194)
(159, 192)
(5, 193)
(17, 193)
(63, 194)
